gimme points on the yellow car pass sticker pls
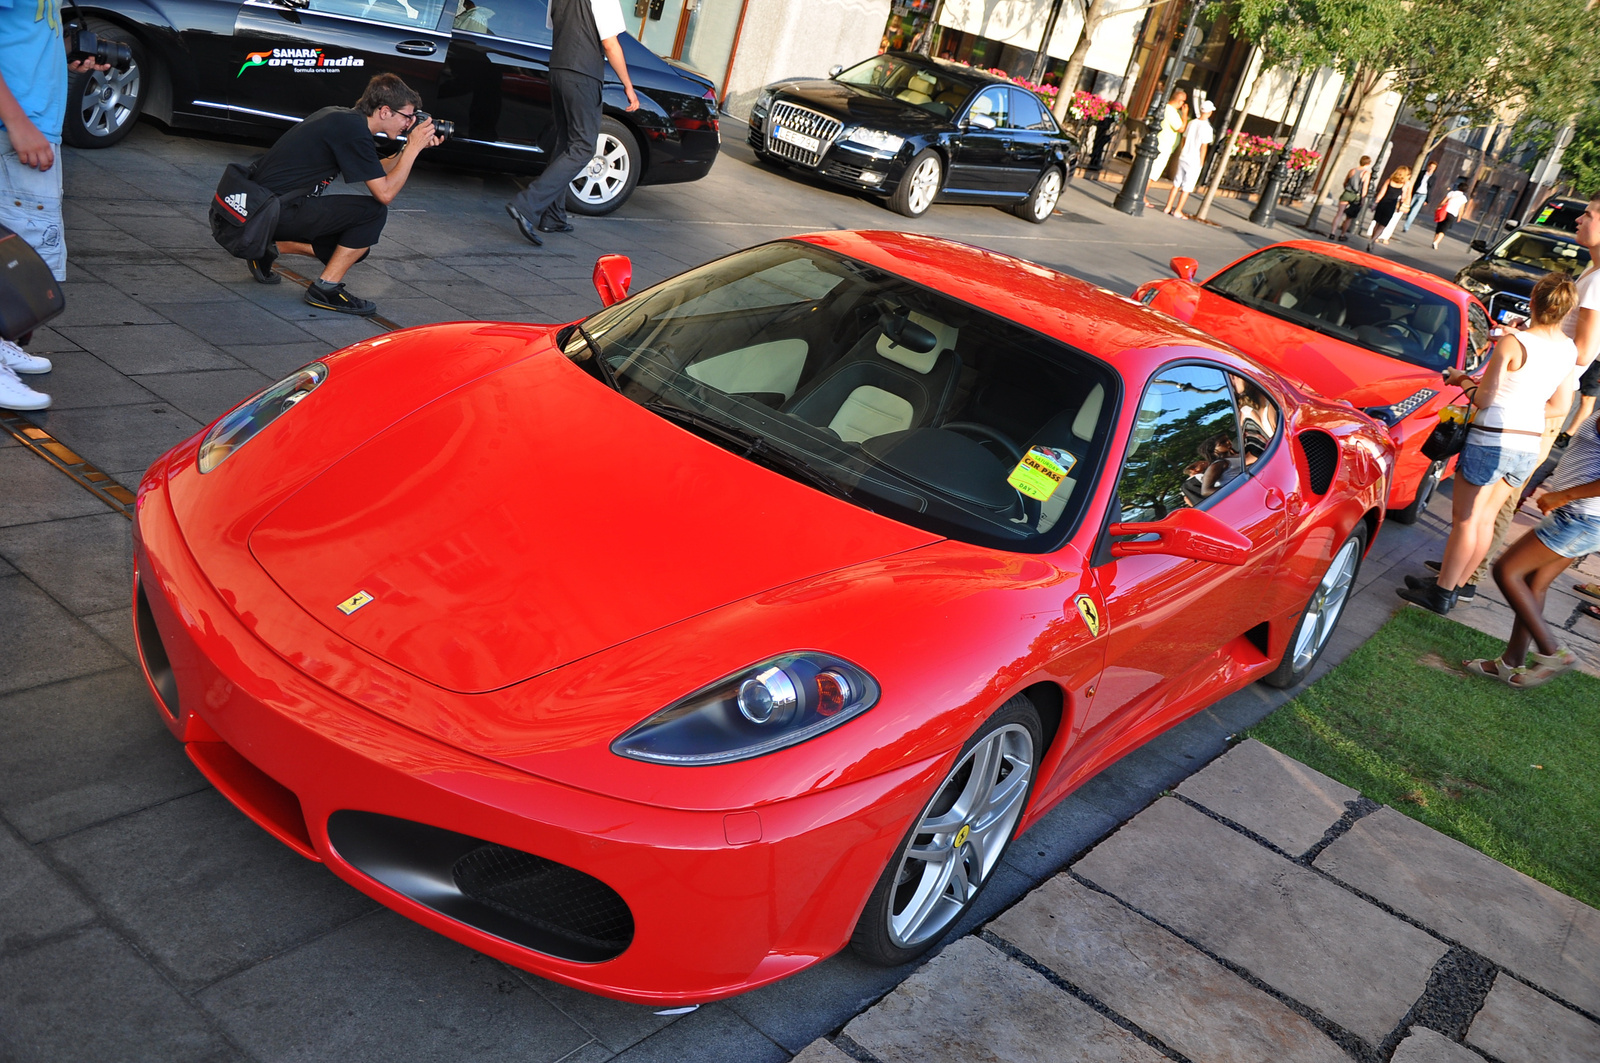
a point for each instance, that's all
(1041, 471)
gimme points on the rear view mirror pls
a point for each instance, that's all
(1185, 268)
(907, 333)
(612, 276)
(1191, 533)
(1480, 246)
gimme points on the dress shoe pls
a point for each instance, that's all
(1464, 593)
(563, 227)
(1430, 597)
(524, 226)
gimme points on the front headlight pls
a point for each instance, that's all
(875, 139)
(1476, 286)
(241, 425)
(763, 103)
(769, 706)
(1393, 415)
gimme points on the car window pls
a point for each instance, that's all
(1348, 301)
(1478, 329)
(1546, 252)
(992, 102)
(518, 20)
(416, 14)
(1186, 444)
(920, 84)
(785, 283)
(1561, 214)
(1026, 112)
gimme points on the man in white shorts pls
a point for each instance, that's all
(1197, 140)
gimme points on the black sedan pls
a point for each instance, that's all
(916, 130)
(1504, 276)
(255, 67)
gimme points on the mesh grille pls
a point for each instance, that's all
(803, 121)
(554, 897)
(1322, 459)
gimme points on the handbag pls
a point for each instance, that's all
(29, 294)
(244, 214)
(1441, 213)
(1449, 436)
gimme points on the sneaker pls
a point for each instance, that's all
(18, 360)
(261, 268)
(15, 395)
(1464, 593)
(334, 297)
(1433, 566)
(1430, 597)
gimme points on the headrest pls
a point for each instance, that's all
(1426, 319)
(921, 83)
(1089, 413)
(944, 337)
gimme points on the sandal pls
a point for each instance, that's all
(1591, 611)
(1590, 590)
(1544, 668)
(1493, 668)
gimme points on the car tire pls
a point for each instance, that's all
(918, 900)
(611, 176)
(1041, 202)
(1321, 614)
(919, 186)
(102, 106)
(1425, 490)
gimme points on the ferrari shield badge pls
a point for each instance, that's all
(360, 598)
(1090, 613)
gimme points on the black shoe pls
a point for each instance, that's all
(524, 226)
(559, 227)
(1429, 597)
(1464, 593)
(1433, 566)
(261, 268)
(334, 297)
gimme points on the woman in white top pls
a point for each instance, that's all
(1502, 447)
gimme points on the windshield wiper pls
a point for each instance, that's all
(602, 367)
(755, 445)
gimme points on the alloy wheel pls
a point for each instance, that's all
(1322, 614)
(1049, 192)
(110, 100)
(606, 175)
(961, 836)
(924, 185)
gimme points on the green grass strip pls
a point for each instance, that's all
(1513, 773)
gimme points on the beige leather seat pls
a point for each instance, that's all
(882, 389)
(918, 90)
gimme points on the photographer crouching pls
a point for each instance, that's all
(339, 230)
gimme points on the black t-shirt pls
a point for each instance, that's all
(577, 39)
(331, 142)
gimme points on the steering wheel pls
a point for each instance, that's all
(1401, 330)
(983, 431)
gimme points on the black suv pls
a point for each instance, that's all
(1505, 274)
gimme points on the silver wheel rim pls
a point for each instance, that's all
(978, 803)
(110, 99)
(1049, 192)
(607, 173)
(924, 185)
(1326, 605)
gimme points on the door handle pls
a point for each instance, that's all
(416, 47)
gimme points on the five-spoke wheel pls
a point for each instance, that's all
(1321, 614)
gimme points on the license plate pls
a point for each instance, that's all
(1512, 318)
(799, 140)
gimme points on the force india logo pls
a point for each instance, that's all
(303, 60)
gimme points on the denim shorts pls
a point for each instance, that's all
(1484, 463)
(1570, 534)
(30, 205)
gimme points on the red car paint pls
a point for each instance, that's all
(411, 470)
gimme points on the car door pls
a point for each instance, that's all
(1030, 148)
(1177, 628)
(296, 60)
(979, 157)
(496, 82)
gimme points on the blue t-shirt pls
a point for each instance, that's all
(33, 60)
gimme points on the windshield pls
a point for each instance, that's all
(1351, 302)
(1545, 252)
(927, 87)
(863, 384)
(1560, 214)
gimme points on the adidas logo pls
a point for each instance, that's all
(238, 202)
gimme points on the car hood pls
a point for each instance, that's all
(534, 517)
(1503, 275)
(853, 105)
(1324, 365)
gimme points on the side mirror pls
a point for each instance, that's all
(1511, 223)
(1191, 533)
(1185, 268)
(980, 121)
(612, 276)
(835, 70)
(1480, 246)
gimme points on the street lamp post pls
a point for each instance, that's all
(1267, 206)
(1131, 199)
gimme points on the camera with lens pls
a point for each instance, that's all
(83, 44)
(442, 128)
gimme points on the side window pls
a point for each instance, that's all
(518, 20)
(1478, 331)
(415, 14)
(1186, 443)
(992, 102)
(1025, 110)
(1258, 416)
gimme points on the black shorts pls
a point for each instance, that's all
(1589, 382)
(327, 222)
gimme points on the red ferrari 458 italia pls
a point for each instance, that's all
(669, 652)
(1349, 326)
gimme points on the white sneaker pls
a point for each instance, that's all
(15, 395)
(18, 360)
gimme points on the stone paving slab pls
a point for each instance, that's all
(1520, 1025)
(820, 1051)
(1284, 923)
(1423, 1045)
(1523, 925)
(1171, 989)
(1277, 797)
(35, 902)
(971, 1002)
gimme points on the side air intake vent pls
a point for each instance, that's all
(1322, 459)
(526, 899)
